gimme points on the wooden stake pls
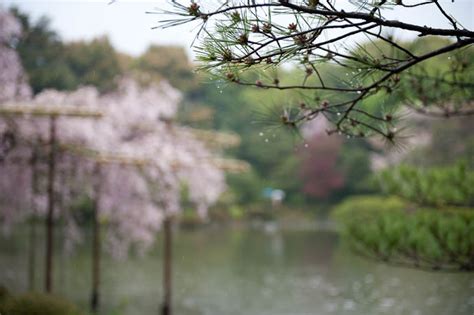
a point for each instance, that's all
(167, 261)
(96, 244)
(50, 215)
(32, 242)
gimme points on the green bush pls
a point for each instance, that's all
(435, 187)
(38, 304)
(392, 230)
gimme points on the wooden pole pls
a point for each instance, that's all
(96, 244)
(32, 242)
(50, 215)
(32, 256)
(167, 261)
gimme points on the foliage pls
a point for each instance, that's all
(430, 224)
(277, 157)
(247, 187)
(50, 63)
(355, 36)
(436, 187)
(166, 63)
(270, 151)
(386, 229)
(42, 55)
(354, 162)
(93, 63)
(39, 304)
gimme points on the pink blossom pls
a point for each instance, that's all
(13, 85)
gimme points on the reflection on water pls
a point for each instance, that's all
(255, 271)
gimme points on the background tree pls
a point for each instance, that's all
(42, 55)
(167, 62)
(319, 170)
(94, 63)
(51, 63)
(450, 141)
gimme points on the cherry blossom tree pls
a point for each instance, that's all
(18, 181)
(136, 130)
(132, 162)
(13, 84)
(36, 125)
(173, 156)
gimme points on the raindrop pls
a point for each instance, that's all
(432, 300)
(394, 282)
(387, 303)
(306, 145)
(266, 140)
(333, 291)
(339, 133)
(369, 278)
(331, 307)
(348, 136)
(349, 305)
(338, 114)
(356, 286)
(359, 92)
(260, 134)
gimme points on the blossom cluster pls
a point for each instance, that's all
(13, 83)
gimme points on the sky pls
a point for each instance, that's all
(130, 28)
(125, 22)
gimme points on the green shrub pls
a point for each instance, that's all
(39, 304)
(391, 230)
(435, 187)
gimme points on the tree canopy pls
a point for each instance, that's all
(51, 63)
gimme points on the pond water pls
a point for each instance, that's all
(251, 270)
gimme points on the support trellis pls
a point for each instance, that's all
(52, 113)
(99, 159)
